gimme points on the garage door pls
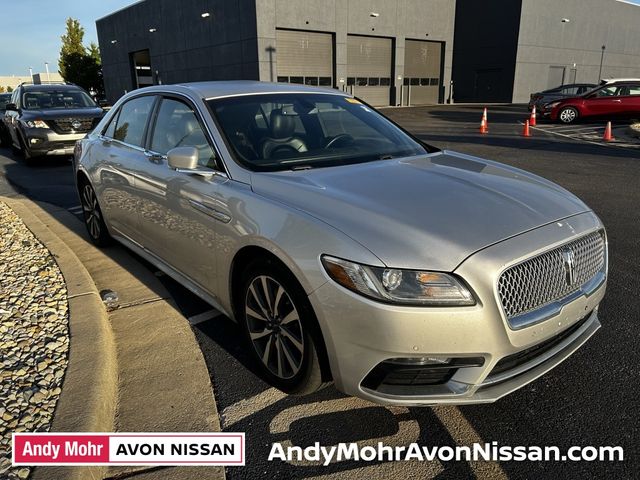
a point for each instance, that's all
(305, 57)
(422, 75)
(369, 68)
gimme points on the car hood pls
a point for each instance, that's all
(427, 212)
(63, 113)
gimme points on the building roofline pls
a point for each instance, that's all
(119, 10)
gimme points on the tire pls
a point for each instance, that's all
(93, 218)
(568, 115)
(282, 332)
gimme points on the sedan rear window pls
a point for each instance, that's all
(304, 130)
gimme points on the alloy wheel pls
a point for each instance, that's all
(274, 327)
(92, 216)
(568, 115)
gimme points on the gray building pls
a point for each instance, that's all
(506, 49)
(388, 52)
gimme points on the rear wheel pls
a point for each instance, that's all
(281, 328)
(93, 218)
(568, 115)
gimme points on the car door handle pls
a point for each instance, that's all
(617, 100)
(210, 211)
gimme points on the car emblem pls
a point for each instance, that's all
(568, 260)
(76, 124)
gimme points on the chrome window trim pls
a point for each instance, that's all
(278, 92)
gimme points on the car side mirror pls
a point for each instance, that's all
(11, 107)
(183, 158)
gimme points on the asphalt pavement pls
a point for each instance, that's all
(590, 399)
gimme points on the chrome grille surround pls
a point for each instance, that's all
(537, 288)
(66, 125)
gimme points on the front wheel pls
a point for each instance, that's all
(568, 115)
(281, 328)
(93, 218)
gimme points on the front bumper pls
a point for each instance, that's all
(361, 334)
(42, 141)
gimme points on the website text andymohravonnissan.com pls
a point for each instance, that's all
(477, 452)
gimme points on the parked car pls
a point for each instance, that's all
(4, 99)
(48, 119)
(614, 99)
(563, 91)
(344, 247)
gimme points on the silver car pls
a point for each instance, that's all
(346, 249)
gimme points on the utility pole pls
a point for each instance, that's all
(604, 47)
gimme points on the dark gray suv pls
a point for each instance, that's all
(48, 119)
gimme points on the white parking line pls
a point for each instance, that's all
(75, 210)
(203, 317)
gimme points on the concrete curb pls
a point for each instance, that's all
(89, 391)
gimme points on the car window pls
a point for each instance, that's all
(56, 99)
(582, 89)
(111, 128)
(132, 120)
(570, 90)
(177, 125)
(612, 91)
(634, 90)
(282, 131)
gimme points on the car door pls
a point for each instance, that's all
(606, 101)
(179, 212)
(121, 157)
(632, 101)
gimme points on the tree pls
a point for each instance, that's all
(77, 63)
(71, 45)
(9, 89)
(1, 89)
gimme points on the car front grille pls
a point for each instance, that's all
(543, 279)
(72, 125)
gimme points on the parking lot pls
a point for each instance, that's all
(588, 400)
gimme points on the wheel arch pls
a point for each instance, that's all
(245, 256)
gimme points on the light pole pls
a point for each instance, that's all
(604, 47)
(46, 66)
(31, 74)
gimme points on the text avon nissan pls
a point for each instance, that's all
(345, 248)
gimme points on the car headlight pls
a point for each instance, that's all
(391, 285)
(36, 124)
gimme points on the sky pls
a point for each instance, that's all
(31, 29)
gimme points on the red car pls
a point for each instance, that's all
(615, 98)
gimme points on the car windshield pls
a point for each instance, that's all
(300, 130)
(56, 99)
(4, 99)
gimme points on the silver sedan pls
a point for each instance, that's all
(346, 249)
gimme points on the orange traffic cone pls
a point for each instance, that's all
(525, 130)
(532, 118)
(484, 124)
(608, 136)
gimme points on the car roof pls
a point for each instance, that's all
(219, 89)
(50, 86)
(607, 81)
